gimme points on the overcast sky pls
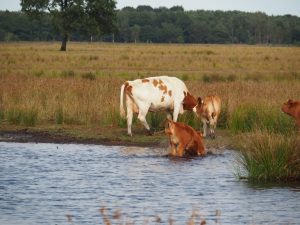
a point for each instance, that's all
(271, 7)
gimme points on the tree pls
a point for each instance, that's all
(89, 16)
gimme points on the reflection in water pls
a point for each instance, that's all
(63, 184)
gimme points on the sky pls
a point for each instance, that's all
(271, 7)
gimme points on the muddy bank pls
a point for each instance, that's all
(98, 136)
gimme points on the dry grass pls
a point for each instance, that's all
(81, 86)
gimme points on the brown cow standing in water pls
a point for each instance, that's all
(208, 109)
(292, 108)
(184, 140)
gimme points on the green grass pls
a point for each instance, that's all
(269, 157)
(249, 117)
(27, 117)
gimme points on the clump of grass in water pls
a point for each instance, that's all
(269, 157)
(249, 117)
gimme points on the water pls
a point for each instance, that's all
(43, 183)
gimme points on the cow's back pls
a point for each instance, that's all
(160, 91)
(213, 104)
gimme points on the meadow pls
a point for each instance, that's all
(78, 90)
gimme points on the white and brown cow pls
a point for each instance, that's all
(153, 94)
(208, 109)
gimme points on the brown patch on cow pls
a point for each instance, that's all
(170, 93)
(128, 88)
(145, 80)
(155, 82)
(162, 98)
(292, 108)
(189, 102)
(160, 81)
(163, 88)
(184, 140)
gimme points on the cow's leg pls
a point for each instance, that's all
(204, 127)
(173, 149)
(129, 120)
(180, 150)
(142, 118)
(211, 127)
(169, 115)
(176, 112)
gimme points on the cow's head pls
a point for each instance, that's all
(189, 102)
(169, 127)
(200, 106)
(289, 107)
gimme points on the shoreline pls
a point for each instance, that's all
(100, 136)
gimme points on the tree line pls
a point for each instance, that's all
(162, 25)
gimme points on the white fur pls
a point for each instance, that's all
(146, 97)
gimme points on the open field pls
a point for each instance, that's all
(41, 86)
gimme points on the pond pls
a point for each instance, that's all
(69, 183)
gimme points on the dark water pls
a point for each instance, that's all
(42, 183)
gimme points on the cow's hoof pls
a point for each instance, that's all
(212, 136)
(150, 132)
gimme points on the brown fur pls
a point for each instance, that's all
(209, 109)
(292, 108)
(145, 80)
(170, 93)
(184, 140)
(155, 82)
(189, 102)
(163, 88)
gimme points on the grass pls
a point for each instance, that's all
(269, 157)
(249, 117)
(41, 86)
(26, 117)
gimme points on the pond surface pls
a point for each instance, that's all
(68, 184)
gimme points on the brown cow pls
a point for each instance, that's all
(184, 140)
(208, 109)
(292, 108)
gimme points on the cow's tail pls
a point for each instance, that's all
(122, 111)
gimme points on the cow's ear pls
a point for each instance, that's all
(199, 101)
(290, 101)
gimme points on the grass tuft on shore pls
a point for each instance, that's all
(269, 157)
